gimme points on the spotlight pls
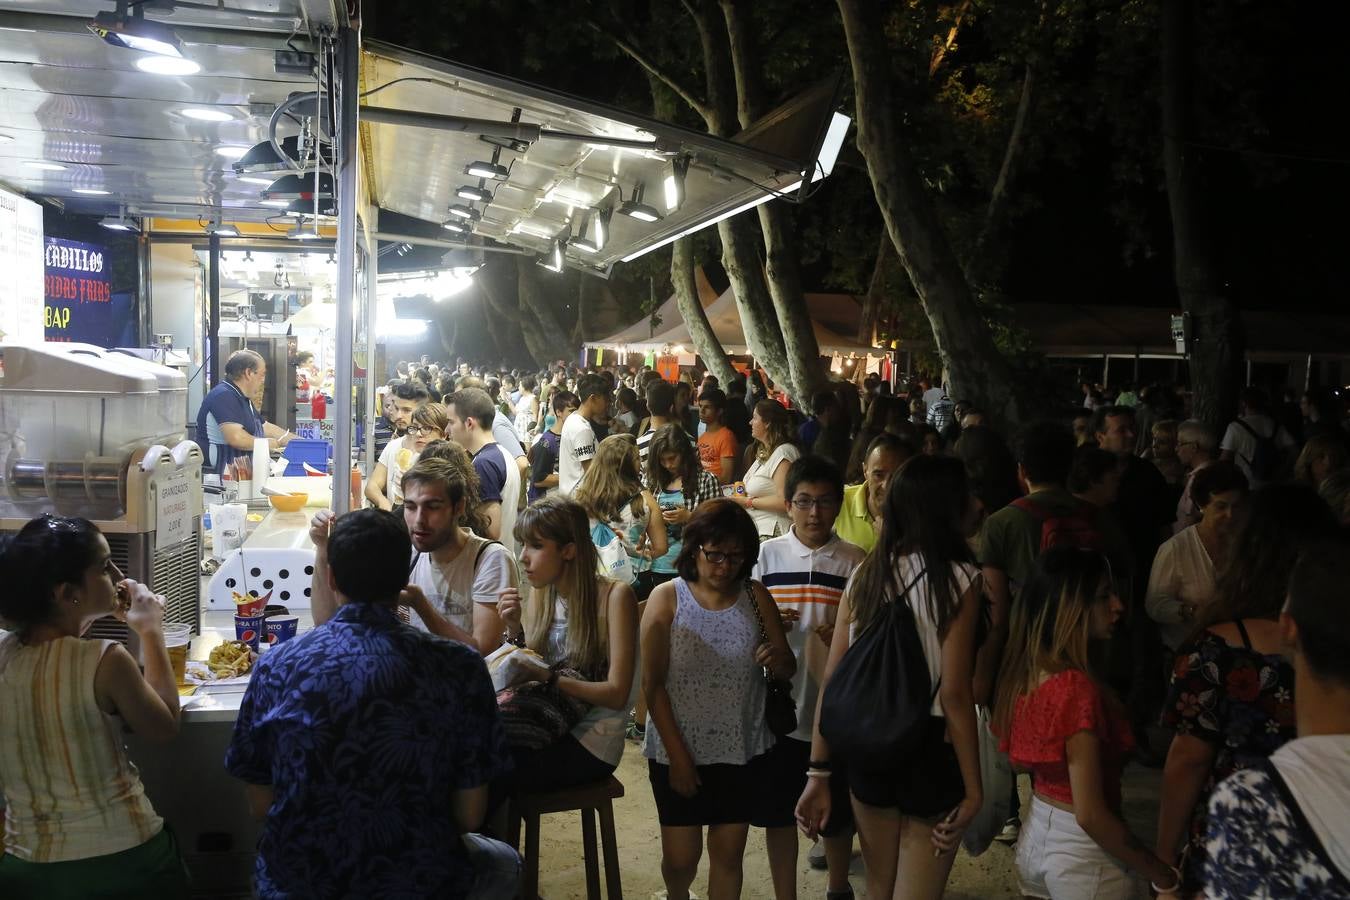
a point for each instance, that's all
(468, 213)
(263, 158)
(298, 186)
(554, 260)
(594, 231)
(135, 33)
(635, 208)
(672, 180)
(456, 227)
(469, 192)
(221, 229)
(483, 169)
(299, 233)
(119, 222)
(167, 65)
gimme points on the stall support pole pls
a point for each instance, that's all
(372, 298)
(348, 54)
(213, 315)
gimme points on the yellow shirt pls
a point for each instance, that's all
(855, 522)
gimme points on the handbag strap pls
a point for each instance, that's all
(754, 607)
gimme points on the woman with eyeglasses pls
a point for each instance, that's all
(428, 424)
(77, 821)
(766, 479)
(911, 815)
(702, 659)
(1059, 721)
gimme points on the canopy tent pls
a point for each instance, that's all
(725, 320)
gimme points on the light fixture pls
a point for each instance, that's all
(553, 260)
(483, 169)
(594, 231)
(45, 166)
(92, 192)
(469, 192)
(231, 151)
(672, 182)
(257, 179)
(119, 222)
(459, 210)
(699, 226)
(635, 208)
(206, 114)
(454, 226)
(262, 157)
(167, 65)
(829, 148)
(275, 204)
(134, 32)
(298, 186)
(327, 207)
(221, 229)
(298, 232)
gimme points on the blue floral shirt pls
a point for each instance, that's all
(364, 728)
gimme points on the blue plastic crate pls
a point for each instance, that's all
(299, 451)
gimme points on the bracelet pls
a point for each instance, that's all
(749, 502)
(821, 764)
(1176, 885)
(518, 640)
(817, 773)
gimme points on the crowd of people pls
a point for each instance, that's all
(819, 624)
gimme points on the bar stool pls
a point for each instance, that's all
(589, 799)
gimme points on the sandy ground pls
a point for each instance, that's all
(562, 872)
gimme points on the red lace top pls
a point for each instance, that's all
(1044, 720)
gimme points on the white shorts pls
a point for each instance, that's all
(1058, 861)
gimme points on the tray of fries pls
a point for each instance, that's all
(228, 668)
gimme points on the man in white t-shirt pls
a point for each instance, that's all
(469, 424)
(1244, 436)
(454, 575)
(577, 447)
(1279, 828)
(805, 572)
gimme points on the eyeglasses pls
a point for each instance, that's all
(418, 430)
(717, 557)
(822, 503)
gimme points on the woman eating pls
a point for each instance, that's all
(77, 821)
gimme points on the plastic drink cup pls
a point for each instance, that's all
(281, 628)
(248, 629)
(177, 640)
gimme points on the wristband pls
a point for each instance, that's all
(817, 773)
(821, 764)
(1176, 885)
(517, 640)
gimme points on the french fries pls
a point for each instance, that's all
(230, 660)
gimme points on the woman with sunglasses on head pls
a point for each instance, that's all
(702, 661)
(1058, 721)
(77, 821)
(911, 815)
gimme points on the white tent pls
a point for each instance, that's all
(725, 320)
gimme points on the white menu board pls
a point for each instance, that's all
(21, 270)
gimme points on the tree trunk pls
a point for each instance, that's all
(1218, 346)
(782, 269)
(875, 298)
(977, 371)
(691, 310)
(979, 264)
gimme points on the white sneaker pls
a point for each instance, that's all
(1012, 829)
(662, 894)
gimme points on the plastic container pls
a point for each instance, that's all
(299, 451)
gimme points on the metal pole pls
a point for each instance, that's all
(348, 59)
(213, 315)
(372, 298)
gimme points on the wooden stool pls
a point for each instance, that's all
(590, 799)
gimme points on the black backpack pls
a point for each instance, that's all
(1265, 461)
(876, 708)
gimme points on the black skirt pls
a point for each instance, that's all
(727, 794)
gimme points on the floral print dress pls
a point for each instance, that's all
(1237, 699)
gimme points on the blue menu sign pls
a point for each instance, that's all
(79, 300)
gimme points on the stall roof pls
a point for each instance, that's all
(69, 99)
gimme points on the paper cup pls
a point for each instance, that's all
(250, 606)
(248, 629)
(281, 628)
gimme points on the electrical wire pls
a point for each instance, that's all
(437, 81)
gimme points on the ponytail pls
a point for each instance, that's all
(47, 552)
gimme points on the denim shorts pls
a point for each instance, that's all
(1058, 861)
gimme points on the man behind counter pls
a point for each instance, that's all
(228, 421)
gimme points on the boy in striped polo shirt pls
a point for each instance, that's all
(805, 571)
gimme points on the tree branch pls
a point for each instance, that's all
(628, 45)
(1011, 156)
(941, 50)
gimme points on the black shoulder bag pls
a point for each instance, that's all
(780, 710)
(875, 712)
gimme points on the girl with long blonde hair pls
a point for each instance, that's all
(1059, 722)
(574, 618)
(612, 494)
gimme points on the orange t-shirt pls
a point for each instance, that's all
(714, 446)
